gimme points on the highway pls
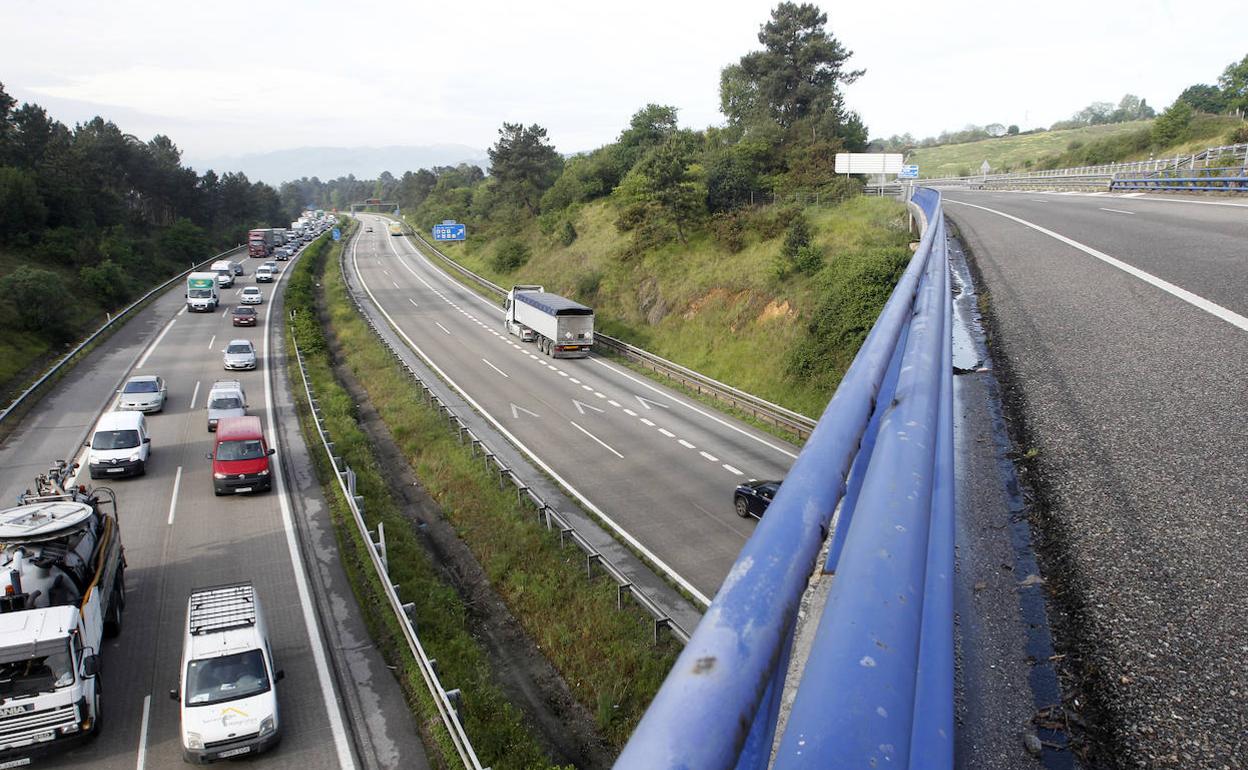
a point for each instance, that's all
(658, 465)
(179, 536)
(1120, 332)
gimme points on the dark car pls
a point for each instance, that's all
(244, 316)
(753, 497)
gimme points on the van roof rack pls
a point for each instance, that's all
(222, 607)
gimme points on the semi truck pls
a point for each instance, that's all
(62, 566)
(259, 242)
(561, 327)
(202, 293)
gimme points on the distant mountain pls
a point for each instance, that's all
(332, 162)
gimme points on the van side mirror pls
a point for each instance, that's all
(271, 452)
(90, 665)
(173, 694)
(147, 440)
(279, 675)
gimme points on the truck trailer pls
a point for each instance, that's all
(202, 293)
(62, 566)
(560, 327)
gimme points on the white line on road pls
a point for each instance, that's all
(732, 470)
(409, 299)
(212, 341)
(173, 501)
(646, 422)
(629, 412)
(396, 284)
(183, 310)
(156, 342)
(495, 368)
(194, 395)
(147, 710)
(440, 326)
(595, 438)
(685, 444)
(1195, 300)
(1116, 211)
(667, 433)
(710, 457)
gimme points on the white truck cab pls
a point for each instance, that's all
(227, 694)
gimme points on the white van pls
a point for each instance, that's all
(226, 690)
(225, 399)
(224, 269)
(119, 445)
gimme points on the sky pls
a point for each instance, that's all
(233, 78)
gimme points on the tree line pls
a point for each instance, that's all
(92, 216)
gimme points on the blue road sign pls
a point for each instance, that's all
(449, 231)
(909, 172)
(337, 234)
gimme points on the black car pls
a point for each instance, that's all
(244, 316)
(753, 497)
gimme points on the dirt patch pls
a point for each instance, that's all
(565, 728)
(776, 309)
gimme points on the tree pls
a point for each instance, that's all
(664, 179)
(524, 164)
(797, 74)
(1234, 85)
(40, 301)
(1012, 130)
(1095, 114)
(1205, 98)
(1171, 127)
(22, 213)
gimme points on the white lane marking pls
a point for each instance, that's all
(702, 598)
(599, 395)
(575, 381)
(565, 374)
(613, 402)
(183, 310)
(147, 710)
(629, 412)
(212, 341)
(647, 402)
(1037, 200)
(346, 759)
(667, 433)
(516, 410)
(440, 326)
(1195, 300)
(1131, 195)
(587, 387)
(595, 438)
(495, 368)
(709, 456)
(155, 342)
(1116, 211)
(173, 500)
(581, 406)
(685, 444)
(409, 299)
(646, 422)
(732, 470)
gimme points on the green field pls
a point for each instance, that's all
(1019, 153)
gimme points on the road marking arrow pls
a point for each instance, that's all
(647, 403)
(581, 406)
(516, 410)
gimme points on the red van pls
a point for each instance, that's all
(240, 458)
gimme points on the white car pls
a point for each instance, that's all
(251, 296)
(143, 393)
(239, 354)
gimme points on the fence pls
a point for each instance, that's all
(877, 688)
(443, 698)
(547, 514)
(761, 409)
(49, 375)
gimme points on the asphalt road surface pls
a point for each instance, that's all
(658, 465)
(1120, 322)
(179, 536)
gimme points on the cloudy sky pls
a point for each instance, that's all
(230, 78)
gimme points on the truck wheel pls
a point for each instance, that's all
(112, 622)
(98, 723)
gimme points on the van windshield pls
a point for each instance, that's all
(200, 293)
(247, 449)
(226, 402)
(230, 677)
(115, 439)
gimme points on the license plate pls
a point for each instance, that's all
(243, 489)
(234, 752)
(24, 761)
(45, 736)
(115, 470)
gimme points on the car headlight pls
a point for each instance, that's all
(264, 472)
(219, 475)
(268, 726)
(135, 457)
(194, 741)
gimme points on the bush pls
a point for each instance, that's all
(587, 285)
(728, 231)
(40, 302)
(1238, 136)
(797, 237)
(808, 259)
(510, 255)
(567, 233)
(107, 282)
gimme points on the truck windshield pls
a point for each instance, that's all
(38, 674)
(249, 449)
(115, 439)
(230, 677)
(200, 293)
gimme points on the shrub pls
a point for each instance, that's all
(808, 259)
(728, 231)
(797, 237)
(1238, 136)
(107, 283)
(567, 233)
(587, 285)
(509, 256)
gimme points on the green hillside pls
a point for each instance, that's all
(1071, 147)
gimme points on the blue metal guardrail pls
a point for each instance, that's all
(877, 687)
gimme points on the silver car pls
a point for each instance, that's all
(143, 393)
(240, 354)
